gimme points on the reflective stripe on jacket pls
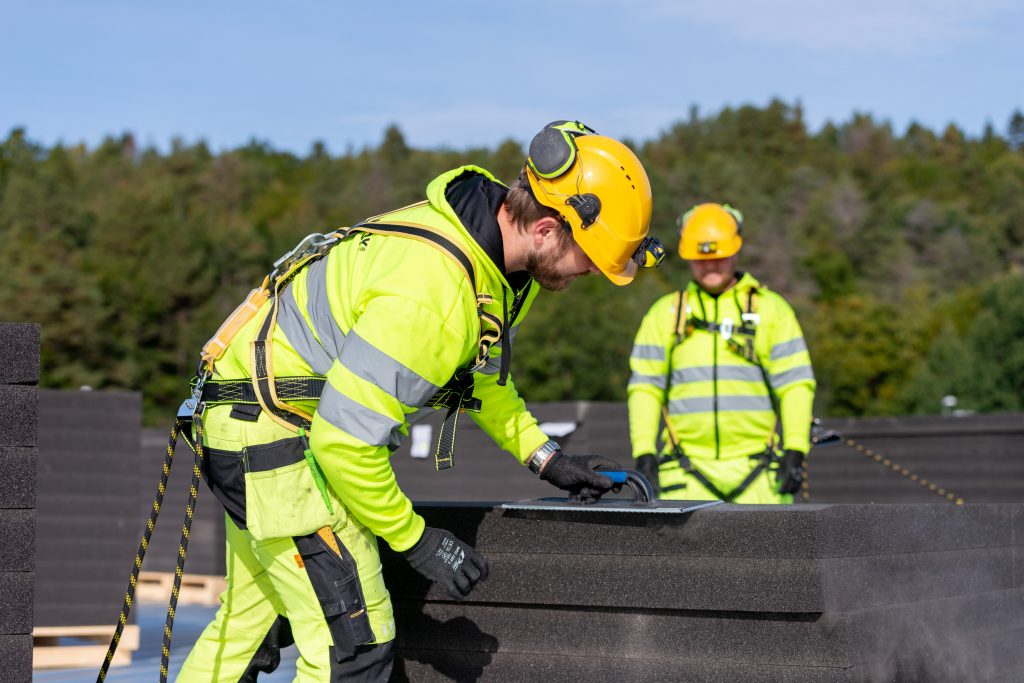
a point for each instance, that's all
(718, 402)
(388, 320)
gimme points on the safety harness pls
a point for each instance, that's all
(740, 340)
(272, 393)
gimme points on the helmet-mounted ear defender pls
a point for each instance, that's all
(735, 213)
(553, 152)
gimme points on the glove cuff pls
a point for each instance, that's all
(424, 546)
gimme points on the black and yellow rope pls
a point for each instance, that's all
(129, 596)
(186, 531)
(147, 534)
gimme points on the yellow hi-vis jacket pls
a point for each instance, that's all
(719, 403)
(388, 320)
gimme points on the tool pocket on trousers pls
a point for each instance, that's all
(281, 495)
(335, 579)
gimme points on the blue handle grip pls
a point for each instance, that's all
(617, 476)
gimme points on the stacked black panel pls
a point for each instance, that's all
(19, 425)
(729, 593)
(89, 524)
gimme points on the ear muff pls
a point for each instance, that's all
(737, 216)
(553, 150)
(685, 216)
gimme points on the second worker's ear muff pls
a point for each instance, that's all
(736, 215)
(553, 150)
(685, 216)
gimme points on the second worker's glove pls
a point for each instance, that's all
(647, 465)
(790, 475)
(577, 474)
(447, 561)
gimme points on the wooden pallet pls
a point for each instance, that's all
(196, 589)
(81, 646)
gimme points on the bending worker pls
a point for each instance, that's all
(720, 362)
(411, 310)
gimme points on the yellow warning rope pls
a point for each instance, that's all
(903, 471)
(881, 459)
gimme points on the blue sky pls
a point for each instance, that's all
(459, 74)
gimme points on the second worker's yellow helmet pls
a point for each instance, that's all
(710, 231)
(601, 190)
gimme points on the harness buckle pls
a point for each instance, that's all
(751, 318)
(193, 405)
(725, 329)
(311, 244)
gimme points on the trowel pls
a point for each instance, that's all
(644, 499)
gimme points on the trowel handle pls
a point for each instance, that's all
(643, 492)
(617, 476)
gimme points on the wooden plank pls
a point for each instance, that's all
(50, 649)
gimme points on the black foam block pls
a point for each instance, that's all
(16, 598)
(19, 415)
(600, 667)
(767, 531)
(17, 540)
(18, 477)
(974, 661)
(843, 640)
(731, 584)
(19, 353)
(16, 655)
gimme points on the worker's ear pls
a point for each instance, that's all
(545, 229)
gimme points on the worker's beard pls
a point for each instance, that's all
(544, 269)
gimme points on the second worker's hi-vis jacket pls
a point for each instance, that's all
(719, 402)
(388, 320)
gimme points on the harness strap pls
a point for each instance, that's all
(717, 328)
(679, 327)
(765, 458)
(427, 235)
(241, 391)
(456, 396)
(261, 366)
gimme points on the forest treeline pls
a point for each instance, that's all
(900, 251)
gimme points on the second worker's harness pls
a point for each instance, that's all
(740, 340)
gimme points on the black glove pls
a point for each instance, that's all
(790, 474)
(576, 474)
(446, 560)
(647, 465)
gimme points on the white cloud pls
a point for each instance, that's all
(859, 27)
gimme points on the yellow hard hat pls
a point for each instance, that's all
(601, 190)
(710, 231)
